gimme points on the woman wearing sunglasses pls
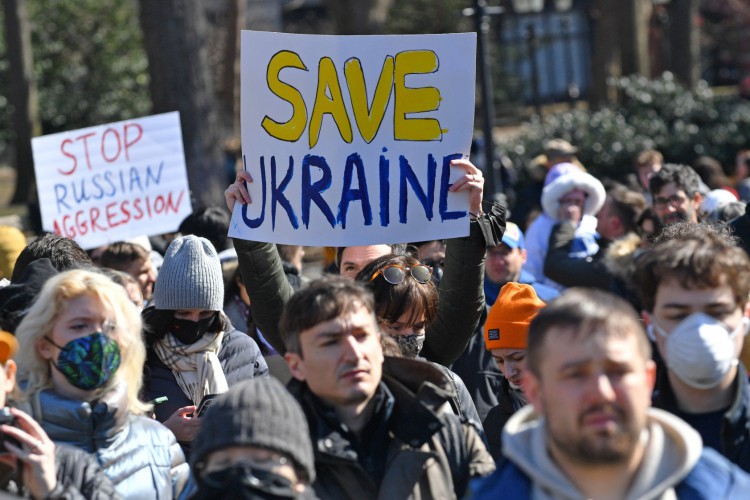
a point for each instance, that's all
(406, 302)
(461, 292)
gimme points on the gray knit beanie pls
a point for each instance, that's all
(257, 412)
(190, 277)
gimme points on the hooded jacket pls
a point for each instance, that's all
(416, 447)
(674, 465)
(139, 455)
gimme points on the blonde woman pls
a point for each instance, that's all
(80, 364)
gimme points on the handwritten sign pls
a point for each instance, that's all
(111, 182)
(349, 139)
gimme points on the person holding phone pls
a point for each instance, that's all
(193, 350)
(80, 365)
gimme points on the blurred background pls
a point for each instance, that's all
(613, 77)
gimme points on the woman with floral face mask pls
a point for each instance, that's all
(406, 301)
(80, 365)
(193, 349)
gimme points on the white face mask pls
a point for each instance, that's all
(700, 350)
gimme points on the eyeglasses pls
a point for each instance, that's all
(396, 274)
(675, 199)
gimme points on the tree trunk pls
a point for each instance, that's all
(684, 41)
(23, 95)
(359, 17)
(634, 36)
(605, 52)
(174, 33)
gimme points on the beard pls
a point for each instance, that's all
(603, 447)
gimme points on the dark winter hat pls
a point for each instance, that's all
(190, 277)
(257, 412)
(16, 298)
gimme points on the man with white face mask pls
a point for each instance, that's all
(694, 286)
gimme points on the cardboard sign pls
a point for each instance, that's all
(349, 139)
(103, 184)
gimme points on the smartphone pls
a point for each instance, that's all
(8, 419)
(205, 403)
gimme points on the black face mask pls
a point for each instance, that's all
(243, 482)
(189, 332)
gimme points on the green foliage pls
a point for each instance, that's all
(654, 114)
(89, 64)
(428, 16)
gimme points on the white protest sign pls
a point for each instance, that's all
(111, 182)
(349, 139)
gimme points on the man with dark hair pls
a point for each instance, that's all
(694, 285)
(676, 192)
(64, 254)
(589, 431)
(380, 426)
(134, 260)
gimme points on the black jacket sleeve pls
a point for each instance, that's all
(570, 271)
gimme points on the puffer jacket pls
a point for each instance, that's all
(240, 358)
(423, 449)
(139, 455)
(460, 293)
(78, 475)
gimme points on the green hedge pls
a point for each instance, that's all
(653, 114)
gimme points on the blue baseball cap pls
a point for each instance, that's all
(513, 237)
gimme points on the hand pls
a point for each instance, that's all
(569, 212)
(182, 426)
(237, 190)
(473, 181)
(36, 453)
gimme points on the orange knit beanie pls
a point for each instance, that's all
(507, 324)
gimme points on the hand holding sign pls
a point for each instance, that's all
(237, 192)
(473, 181)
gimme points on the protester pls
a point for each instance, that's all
(31, 465)
(12, 243)
(647, 163)
(618, 240)
(133, 259)
(80, 366)
(378, 429)
(64, 254)
(461, 299)
(129, 283)
(17, 298)
(588, 431)
(504, 264)
(211, 223)
(694, 285)
(193, 350)
(676, 192)
(506, 333)
(574, 196)
(406, 302)
(254, 443)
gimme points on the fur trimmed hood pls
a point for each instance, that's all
(618, 258)
(567, 182)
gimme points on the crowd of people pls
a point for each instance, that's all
(586, 343)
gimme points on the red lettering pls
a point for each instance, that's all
(111, 215)
(94, 215)
(125, 211)
(104, 149)
(128, 144)
(71, 156)
(82, 226)
(85, 138)
(148, 206)
(159, 208)
(137, 207)
(174, 206)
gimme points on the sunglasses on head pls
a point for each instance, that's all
(396, 274)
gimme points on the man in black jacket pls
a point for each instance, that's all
(694, 287)
(380, 427)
